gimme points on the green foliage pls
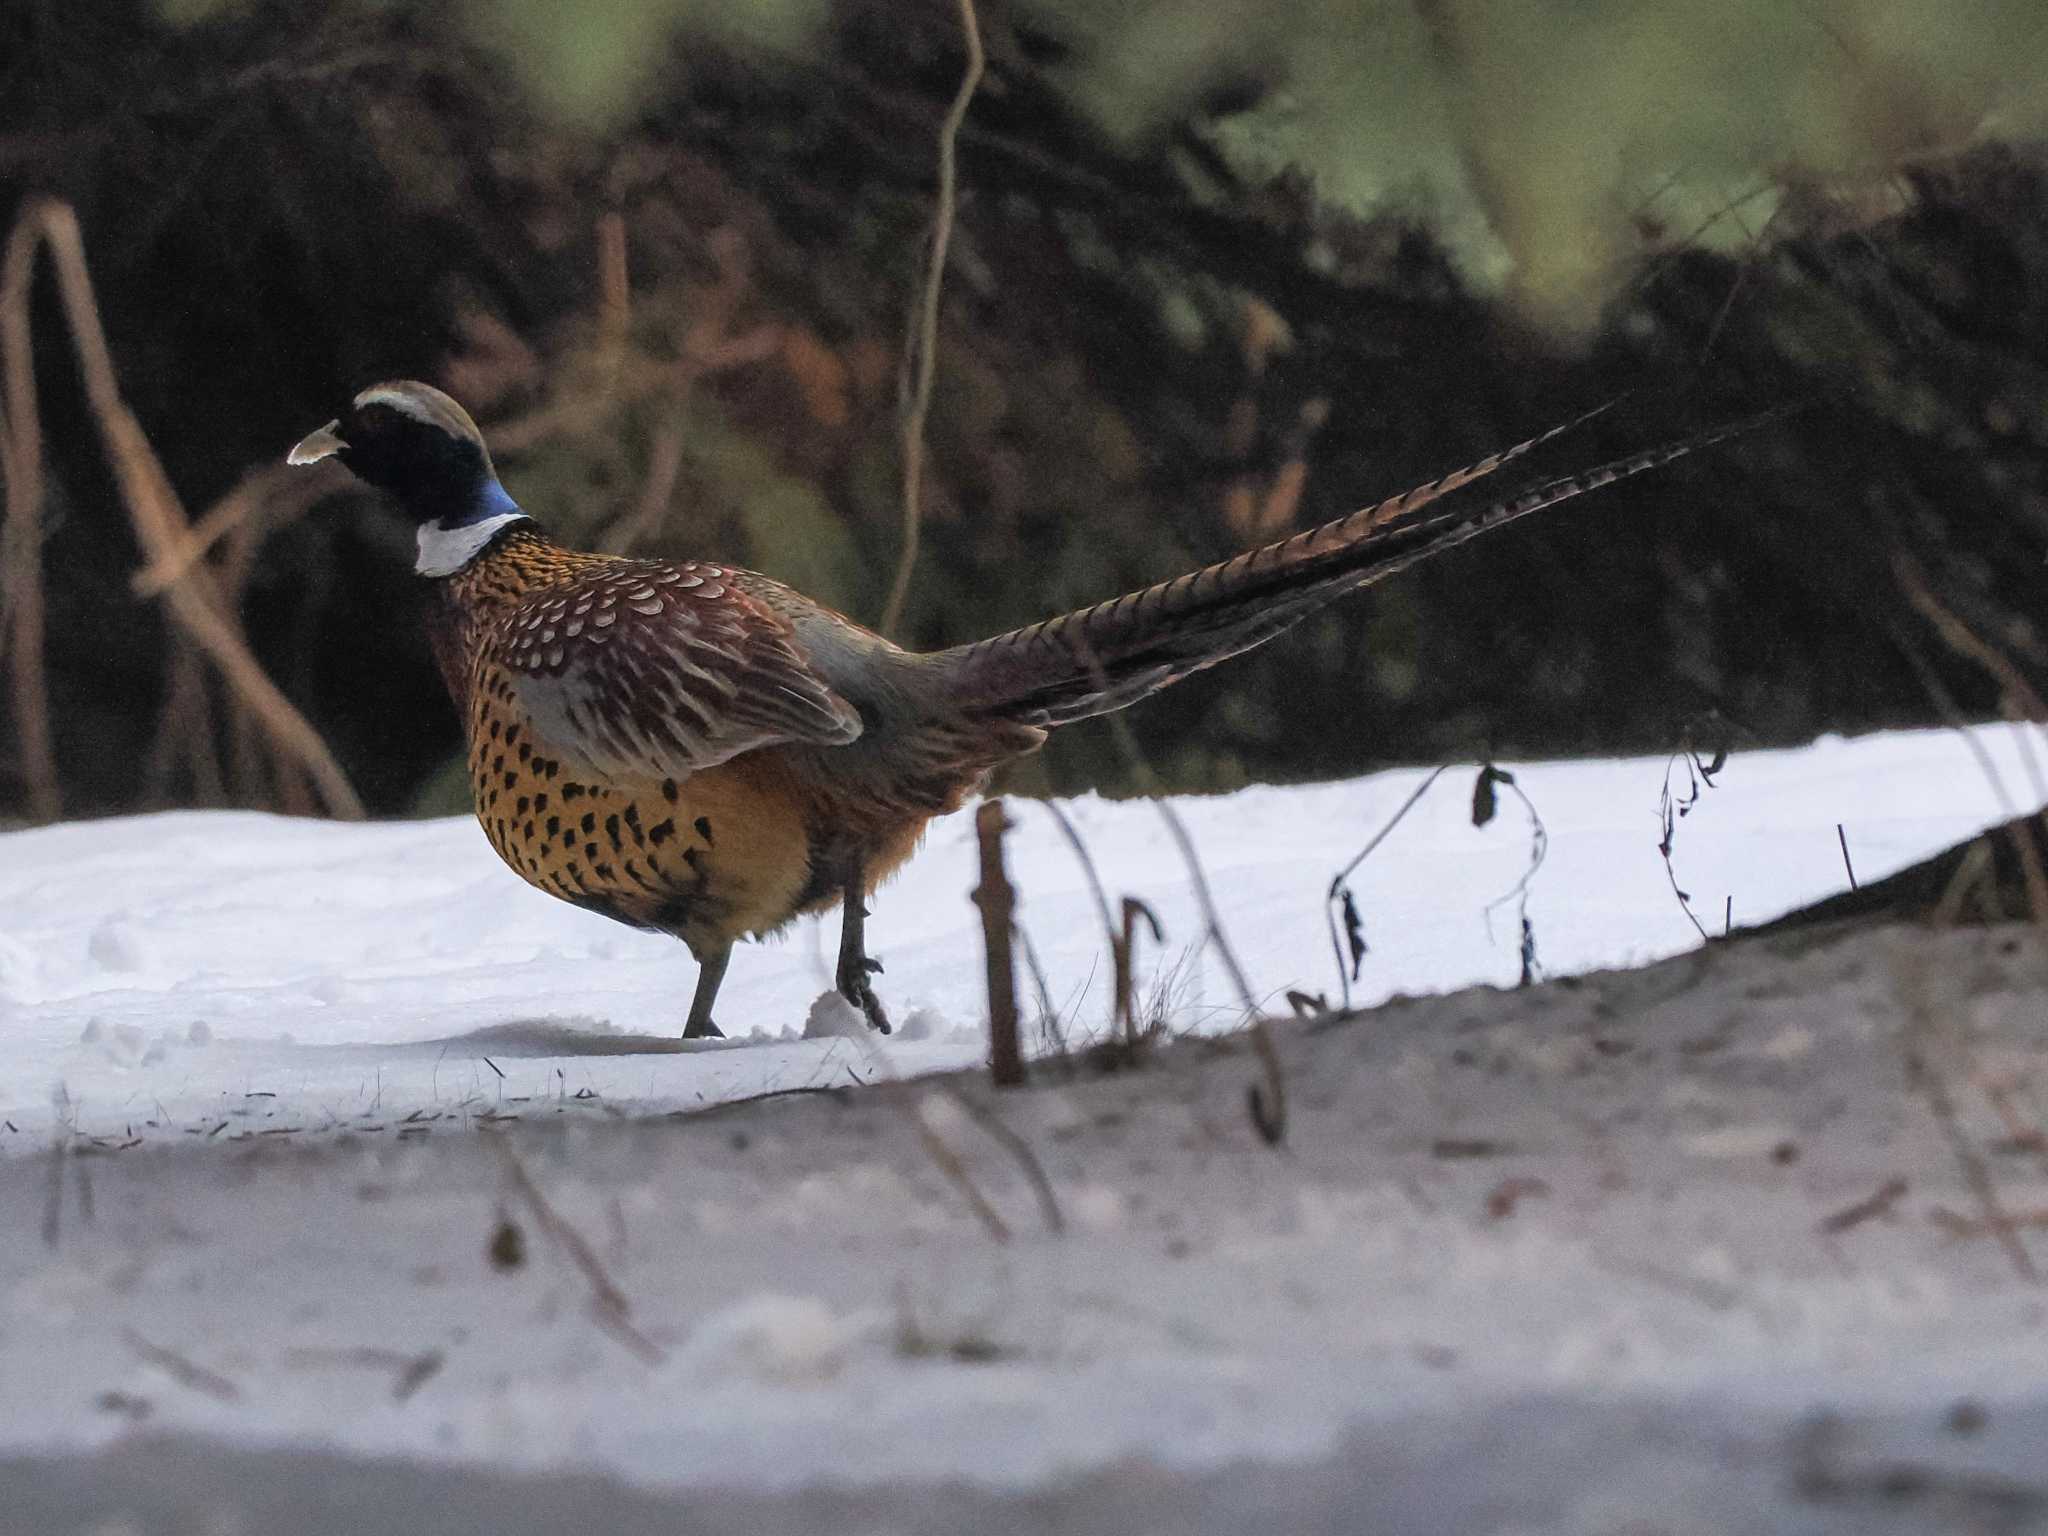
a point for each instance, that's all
(1549, 141)
(594, 62)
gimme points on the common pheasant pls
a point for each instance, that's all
(698, 749)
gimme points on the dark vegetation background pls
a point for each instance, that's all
(1221, 269)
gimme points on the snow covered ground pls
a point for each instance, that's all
(207, 974)
(1506, 1226)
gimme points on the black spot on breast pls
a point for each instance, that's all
(668, 790)
(511, 779)
(611, 830)
(692, 857)
(525, 751)
(570, 792)
(520, 808)
(527, 832)
(498, 763)
(633, 825)
(590, 821)
(604, 872)
(512, 735)
(495, 728)
(590, 850)
(661, 832)
(540, 803)
(703, 826)
(555, 828)
(550, 768)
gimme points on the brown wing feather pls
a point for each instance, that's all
(641, 667)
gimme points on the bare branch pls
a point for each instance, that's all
(161, 525)
(926, 340)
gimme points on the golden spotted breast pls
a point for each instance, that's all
(719, 854)
(599, 775)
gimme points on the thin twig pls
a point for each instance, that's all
(948, 1162)
(1337, 880)
(1072, 834)
(1955, 1224)
(1267, 1102)
(1490, 778)
(608, 1302)
(1020, 1150)
(2020, 694)
(411, 1371)
(1669, 811)
(2019, 697)
(1913, 980)
(1268, 1105)
(275, 491)
(1952, 717)
(664, 464)
(926, 345)
(53, 1197)
(614, 305)
(1122, 944)
(1048, 1016)
(1211, 920)
(184, 1372)
(1871, 1206)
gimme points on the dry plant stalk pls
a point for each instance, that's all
(615, 310)
(1913, 981)
(186, 1373)
(1124, 950)
(159, 519)
(664, 465)
(925, 339)
(271, 492)
(608, 1304)
(21, 536)
(266, 497)
(2020, 698)
(998, 902)
(1026, 1159)
(1267, 1102)
(1869, 1208)
(947, 1161)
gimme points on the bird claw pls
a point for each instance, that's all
(855, 989)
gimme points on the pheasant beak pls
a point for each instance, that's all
(315, 446)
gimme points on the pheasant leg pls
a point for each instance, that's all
(710, 972)
(855, 968)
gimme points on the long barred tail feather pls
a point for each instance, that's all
(1099, 659)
